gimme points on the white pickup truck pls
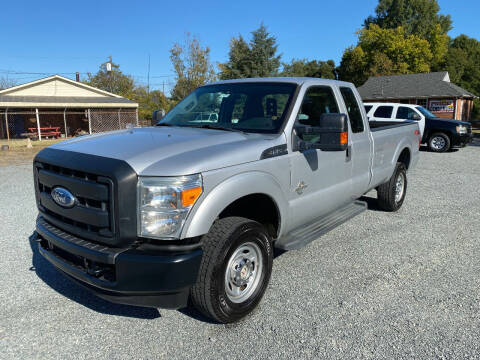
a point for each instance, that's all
(192, 210)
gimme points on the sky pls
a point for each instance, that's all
(40, 38)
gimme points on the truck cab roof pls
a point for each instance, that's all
(294, 80)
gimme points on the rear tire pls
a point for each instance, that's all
(439, 142)
(235, 269)
(392, 193)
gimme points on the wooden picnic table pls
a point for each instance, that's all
(50, 131)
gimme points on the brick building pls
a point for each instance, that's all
(433, 91)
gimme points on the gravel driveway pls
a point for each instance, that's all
(403, 285)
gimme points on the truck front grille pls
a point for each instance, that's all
(92, 215)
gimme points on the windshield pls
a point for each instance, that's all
(425, 112)
(249, 107)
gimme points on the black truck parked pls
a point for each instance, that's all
(442, 134)
(439, 134)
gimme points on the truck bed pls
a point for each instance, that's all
(388, 138)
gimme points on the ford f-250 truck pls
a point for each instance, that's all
(187, 210)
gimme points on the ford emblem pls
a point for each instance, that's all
(63, 197)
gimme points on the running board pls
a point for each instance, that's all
(305, 234)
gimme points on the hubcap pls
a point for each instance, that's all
(399, 187)
(438, 142)
(243, 272)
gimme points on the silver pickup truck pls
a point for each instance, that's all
(191, 210)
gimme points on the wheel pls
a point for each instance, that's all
(392, 193)
(235, 269)
(439, 142)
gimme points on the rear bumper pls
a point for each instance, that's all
(461, 140)
(139, 276)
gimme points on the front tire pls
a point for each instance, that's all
(235, 269)
(439, 142)
(392, 193)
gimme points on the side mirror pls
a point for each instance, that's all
(330, 135)
(157, 115)
(416, 117)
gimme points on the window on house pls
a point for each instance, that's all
(422, 102)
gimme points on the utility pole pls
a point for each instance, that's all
(148, 75)
(110, 72)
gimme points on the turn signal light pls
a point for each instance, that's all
(344, 138)
(189, 196)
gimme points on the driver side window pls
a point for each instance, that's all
(318, 100)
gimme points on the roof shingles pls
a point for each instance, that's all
(411, 86)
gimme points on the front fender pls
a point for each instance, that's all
(226, 192)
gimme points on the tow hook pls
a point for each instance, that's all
(35, 237)
(92, 268)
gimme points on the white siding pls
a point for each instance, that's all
(56, 87)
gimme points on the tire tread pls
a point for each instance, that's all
(213, 243)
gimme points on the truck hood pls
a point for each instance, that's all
(448, 121)
(172, 151)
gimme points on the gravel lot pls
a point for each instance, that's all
(403, 285)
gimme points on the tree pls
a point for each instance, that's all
(113, 81)
(416, 17)
(463, 63)
(258, 58)
(6, 83)
(384, 52)
(314, 68)
(239, 64)
(149, 101)
(124, 85)
(192, 66)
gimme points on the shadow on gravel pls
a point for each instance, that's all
(426, 149)
(58, 282)
(371, 203)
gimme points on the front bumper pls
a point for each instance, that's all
(461, 140)
(143, 276)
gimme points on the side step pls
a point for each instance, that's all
(305, 234)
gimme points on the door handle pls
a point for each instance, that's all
(349, 153)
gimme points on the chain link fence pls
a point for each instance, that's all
(63, 124)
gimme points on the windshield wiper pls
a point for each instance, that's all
(164, 124)
(209, 126)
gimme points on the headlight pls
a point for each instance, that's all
(461, 129)
(164, 203)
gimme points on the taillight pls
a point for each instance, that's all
(417, 132)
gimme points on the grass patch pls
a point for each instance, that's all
(16, 143)
(19, 153)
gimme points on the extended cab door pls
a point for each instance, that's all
(360, 143)
(320, 180)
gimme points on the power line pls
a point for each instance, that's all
(14, 72)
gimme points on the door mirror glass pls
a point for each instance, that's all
(329, 134)
(415, 116)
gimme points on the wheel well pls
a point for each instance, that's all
(404, 157)
(443, 131)
(258, 207)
